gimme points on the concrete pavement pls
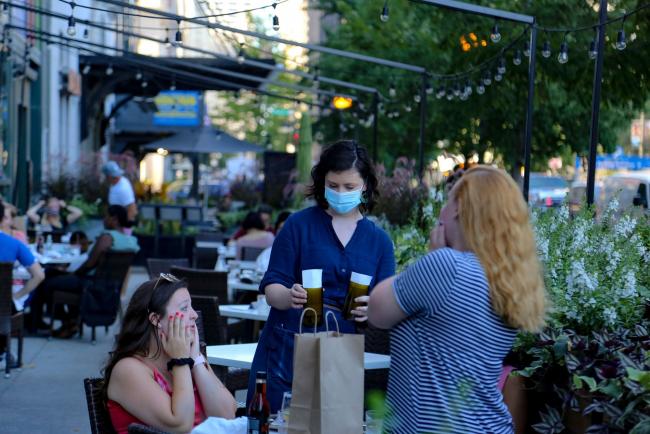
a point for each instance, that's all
(47, 395)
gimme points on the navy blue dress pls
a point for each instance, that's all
(307, 241)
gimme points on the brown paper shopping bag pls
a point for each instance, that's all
(327, 389)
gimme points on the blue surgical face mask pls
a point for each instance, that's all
(343, 203)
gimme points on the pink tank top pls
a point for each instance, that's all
(121, 418)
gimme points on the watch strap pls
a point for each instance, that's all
(180, 362)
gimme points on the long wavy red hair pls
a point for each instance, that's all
(495, 222)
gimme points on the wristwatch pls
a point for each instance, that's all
(200, 360)
(180, 362)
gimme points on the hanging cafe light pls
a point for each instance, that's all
(495, 36)
(563, 56)
(241, 56)
(384, 12)
(341, 102)
(276, 20)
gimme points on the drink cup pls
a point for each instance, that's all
(359, 284)
(312, 281)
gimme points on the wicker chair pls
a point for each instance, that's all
(376, 341)
(109, 276)
(250, 253)
(214, 325)
(204, 282)
(136, 428)
(155, 266)
(217, 237)
(100, 420)
(204, 258)
(11, 325)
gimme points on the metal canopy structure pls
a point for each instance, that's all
(202, 141)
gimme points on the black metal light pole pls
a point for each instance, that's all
(529, 111)
(595, 102)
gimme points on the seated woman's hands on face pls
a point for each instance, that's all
(177, 340)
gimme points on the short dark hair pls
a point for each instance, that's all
(253, 220)
(120, 213)
(78, 236)
(265, 209)
(339, 157)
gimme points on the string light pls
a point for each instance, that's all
(179, 34)
(593, 51)
(72, 30)
(495, 36)
(241, 56)
(480, 88)
(276, 20)
(86, 33)
(501, 67)
(384, 12)
(563, 56)
(109, 70)
(429, 88)
(456, 89)
(621, 43)
(168, 43)
(450, 95)
(391, 90)
(440, 92)
(144, 84)
(86, 70)
(546, 49)
(417, 98)
(173, 86)
(516, 59)
(138, 76)
(487, 78)
(527, 49)
(468, 87)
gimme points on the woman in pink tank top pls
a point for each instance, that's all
(156, 374)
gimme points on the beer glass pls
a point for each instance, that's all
(312, 281)
(358, 287)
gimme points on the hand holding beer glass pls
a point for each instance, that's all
(356, 302)
(312, 282)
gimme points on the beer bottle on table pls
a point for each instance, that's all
(259, 410)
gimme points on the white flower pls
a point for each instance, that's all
(563, 213)
(624, 227)
(610, 315)
(612, 206)
(440, 197)
(428, 210)
(629, 287)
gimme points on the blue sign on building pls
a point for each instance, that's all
(619, 162)
(177, 109)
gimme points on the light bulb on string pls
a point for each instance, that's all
(138, 76)
(456, 89)
(144, 84)
(498, 77)
(563, 56)
(495, 36)
(516, 59)
(468, 87)
(480, 88)
(86, 70)
(546, 49)
(526, 49)
(450, 95)
(429, 88)
(487, 78)
(384, 12)
(621, 42)
(440, 92)
(276, 20)
(179, 34)
(408, 108)
(109, 70)
(168, 43)
(173, 86)
(417, 98)
(391, 90)
(86, 34)
(593, 51)
(464, 96)
(72, 30)
(241, 56)
(501, 66)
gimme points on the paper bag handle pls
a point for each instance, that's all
(329, 312)
(302, 316)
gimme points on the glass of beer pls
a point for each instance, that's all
(312, 281)
(359, 284)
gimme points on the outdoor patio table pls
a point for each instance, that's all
(243, 311)
(58, 254)
(241, 356)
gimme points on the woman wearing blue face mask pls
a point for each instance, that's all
(333, 236)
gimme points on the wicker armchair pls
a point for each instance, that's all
(11, 325)
(204, 282)
(155, 266)
(100, 420)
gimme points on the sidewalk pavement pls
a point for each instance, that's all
(47, 394)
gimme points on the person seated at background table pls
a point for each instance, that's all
(156, 374)
(111, 239)
(265, 212)
(333, 236)
(48, 212)
(255, 234)
(12, 250)
(456, 311)
(264, 257)
(7, 224)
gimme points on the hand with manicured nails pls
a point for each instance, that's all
(195, 344)
(176, 341)
(298, 296)
(361, 312)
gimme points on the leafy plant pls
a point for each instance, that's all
(245, 191)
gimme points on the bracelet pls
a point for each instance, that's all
(180, 362)
(200, 360)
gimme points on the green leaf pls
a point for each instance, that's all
(611, 388)
(577, 382)
(642, 377)
(642, 427)
(590, 382)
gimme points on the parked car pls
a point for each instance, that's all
(547, 191)
(631, 189)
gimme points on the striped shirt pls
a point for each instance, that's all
(447, 355)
